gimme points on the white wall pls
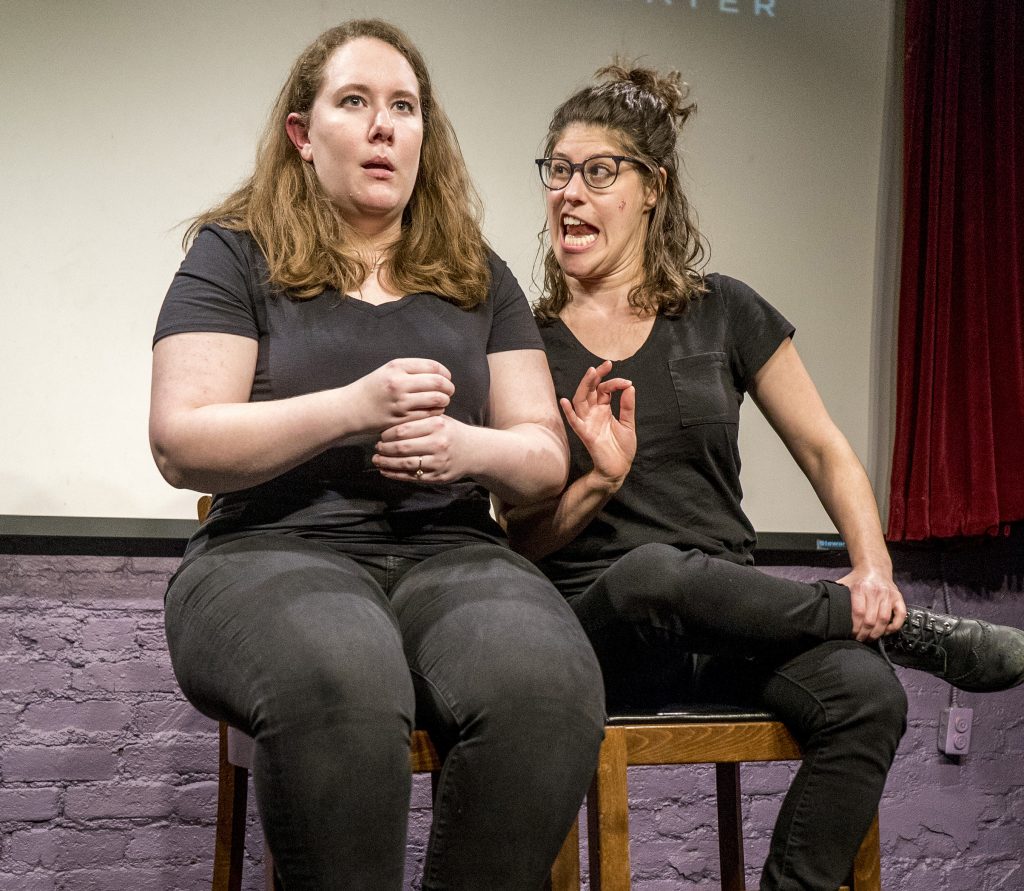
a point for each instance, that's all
(123, 119)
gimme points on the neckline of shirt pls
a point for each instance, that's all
(615, 362)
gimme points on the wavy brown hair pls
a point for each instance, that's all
(308, 245)
(644, 110)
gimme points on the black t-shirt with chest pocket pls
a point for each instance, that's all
(690, 377)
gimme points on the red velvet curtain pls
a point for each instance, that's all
(958, 458)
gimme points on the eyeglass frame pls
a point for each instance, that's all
(618, 159)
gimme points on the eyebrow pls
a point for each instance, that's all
(604, 153)
(366, 88)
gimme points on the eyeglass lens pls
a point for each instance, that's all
(598, 172)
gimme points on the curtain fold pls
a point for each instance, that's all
(958, 456)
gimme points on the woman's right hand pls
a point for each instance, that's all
(610, 440)
(401, 390)
(207, 435)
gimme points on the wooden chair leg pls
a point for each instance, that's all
(565, 874)
(270, 881)
(730, 826)
(867, 869)
(608, 817)
(232, 796)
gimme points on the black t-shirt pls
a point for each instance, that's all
(330, 341)
(684, 486)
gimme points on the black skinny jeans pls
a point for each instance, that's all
(329, 664)
(670, 626)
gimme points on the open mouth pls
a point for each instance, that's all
(379, 164)
(576, 233)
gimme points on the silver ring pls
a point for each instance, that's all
(419, 470)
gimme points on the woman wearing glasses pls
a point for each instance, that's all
(649, 542)
(353, 387)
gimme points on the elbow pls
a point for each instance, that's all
(548, 465)
(538, 472)
(551, 483)
(172, 473)
(547, 481)
(554, 487)
(171, 469)
(177, 453)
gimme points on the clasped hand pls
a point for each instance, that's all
(418, 441)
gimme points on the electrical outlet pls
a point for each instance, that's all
(955, 731)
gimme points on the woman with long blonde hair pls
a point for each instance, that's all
(342, 360)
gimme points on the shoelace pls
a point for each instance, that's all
(885, 655)
(924, 634)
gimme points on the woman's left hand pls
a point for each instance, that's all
(610, 440)
(876, 603)
(430, 450)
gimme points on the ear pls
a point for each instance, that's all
(651, 198)
(298, 132)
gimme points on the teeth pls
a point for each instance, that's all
(571, 240)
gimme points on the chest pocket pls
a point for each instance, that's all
(704, 390)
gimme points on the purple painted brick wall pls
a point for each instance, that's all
(108, 778)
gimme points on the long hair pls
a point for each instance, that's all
(644, 110)
(308, 245)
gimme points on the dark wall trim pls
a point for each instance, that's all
(111, 536)
(95, 527)
(94, 536)
(995, 560)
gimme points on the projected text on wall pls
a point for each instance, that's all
(734, 7)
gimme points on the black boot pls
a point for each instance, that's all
(968, 653)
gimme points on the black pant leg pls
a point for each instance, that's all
(654, 608)
(298, 646)
(507, 683)
(846, 707)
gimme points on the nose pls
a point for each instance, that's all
(574, 190)
(383, 126)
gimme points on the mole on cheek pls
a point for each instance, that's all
(622, 205)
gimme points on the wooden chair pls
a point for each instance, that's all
(721, 736)
(235, 761)
(232, 798)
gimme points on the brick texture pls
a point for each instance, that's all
(108, 777)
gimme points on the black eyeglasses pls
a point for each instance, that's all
(598, 172)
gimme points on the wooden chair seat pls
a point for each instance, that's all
(722, 736)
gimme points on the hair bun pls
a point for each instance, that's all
(669, 89)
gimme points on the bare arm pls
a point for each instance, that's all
(520, 456)
(206, 435)
(541, 528)
(786, 395)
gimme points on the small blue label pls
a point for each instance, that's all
(829, 544)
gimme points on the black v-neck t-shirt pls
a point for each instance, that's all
(331, 340)
(690, 377)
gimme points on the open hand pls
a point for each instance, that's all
(610, 440)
